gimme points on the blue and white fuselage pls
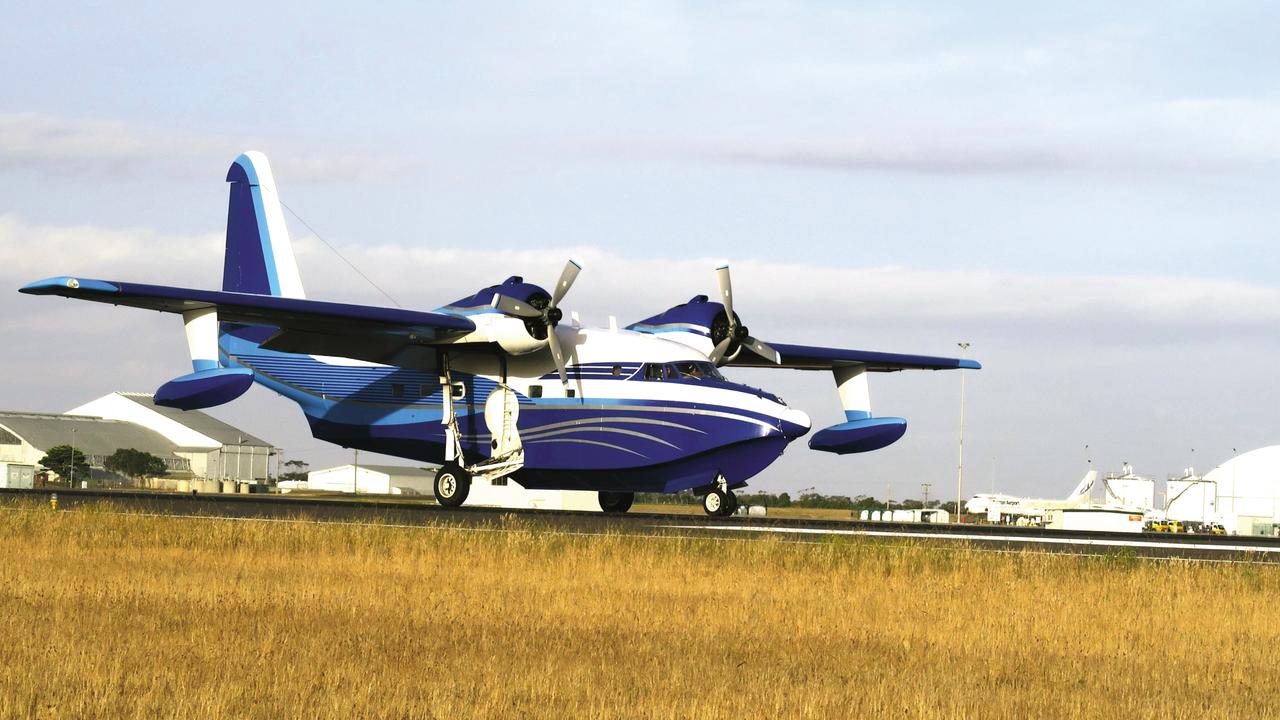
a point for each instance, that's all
(635, 421)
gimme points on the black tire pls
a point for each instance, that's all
(715, 502)
(452, 485)
(616, 502)
(732, 507)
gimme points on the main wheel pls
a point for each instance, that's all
(715, 502)
(452, 485)
(732, 506)
(616, 502)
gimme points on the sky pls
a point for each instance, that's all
(1084, 194)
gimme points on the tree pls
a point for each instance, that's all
(135, 463)
(66, 461)
(297, 471)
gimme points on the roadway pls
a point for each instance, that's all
(412, 512)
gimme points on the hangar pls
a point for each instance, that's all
(1242, 493)
(26, 437)
(372, 479)
(402, 480)
(214, 449)
(192, 444)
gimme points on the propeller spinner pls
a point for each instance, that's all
(549, 316)
(735, 335)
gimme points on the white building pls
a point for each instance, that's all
(373, 479)
(399, 480)
(1095, 518)
(26, 437)
(212, 448)
(1129, 490)
(508, 493)
(1243, 494)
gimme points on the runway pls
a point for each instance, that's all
(421, 513)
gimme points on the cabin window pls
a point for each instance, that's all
(535, 391)
(652, 372)
(672, 373)
(397, 390)
(568, 392)
(459, 390)
(617, 370)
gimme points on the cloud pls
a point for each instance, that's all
(61, 145)
(791, 297)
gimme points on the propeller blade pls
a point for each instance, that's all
(726, 293)
(717, 353)
(763, 350)
(516, 308)
(554, 343)
(571, 270)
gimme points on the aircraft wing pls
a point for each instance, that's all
(807, 357)
(312, 317)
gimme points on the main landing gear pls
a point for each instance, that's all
(616, 502)
(452, 485)
(720, 502)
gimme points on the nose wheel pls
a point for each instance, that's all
(720, 503)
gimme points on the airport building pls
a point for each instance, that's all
(1242, 493)
(400, 480)
(213, 449)
(192, 445)
(371, 479)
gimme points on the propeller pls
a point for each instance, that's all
(549, 315)
(735, 332)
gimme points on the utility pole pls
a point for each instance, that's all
(964, 348)
(72, 482)
(924, 488)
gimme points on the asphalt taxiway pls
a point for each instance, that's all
(402, 512)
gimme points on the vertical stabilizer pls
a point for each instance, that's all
(259, 255)
(1084, 490)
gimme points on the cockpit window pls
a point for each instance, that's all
(695, 371)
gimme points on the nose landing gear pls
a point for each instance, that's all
(720, 502)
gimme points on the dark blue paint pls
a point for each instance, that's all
(205, 388)
(859, 435)
(808, 357)
(250, 309)
(244, 266)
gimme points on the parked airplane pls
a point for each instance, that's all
(495, 385)
(999, 504)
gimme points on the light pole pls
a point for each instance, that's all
(964, 348)
(924, 488)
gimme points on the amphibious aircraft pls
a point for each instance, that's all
(496, 385)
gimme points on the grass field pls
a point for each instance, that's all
(110, 616)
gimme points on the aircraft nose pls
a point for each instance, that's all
(794, 423)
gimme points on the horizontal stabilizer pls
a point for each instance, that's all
(806, 357)
(314, 316)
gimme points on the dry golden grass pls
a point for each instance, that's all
(111, 616)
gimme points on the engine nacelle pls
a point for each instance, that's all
(511, 334)
(699, 323)
(514, 335)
